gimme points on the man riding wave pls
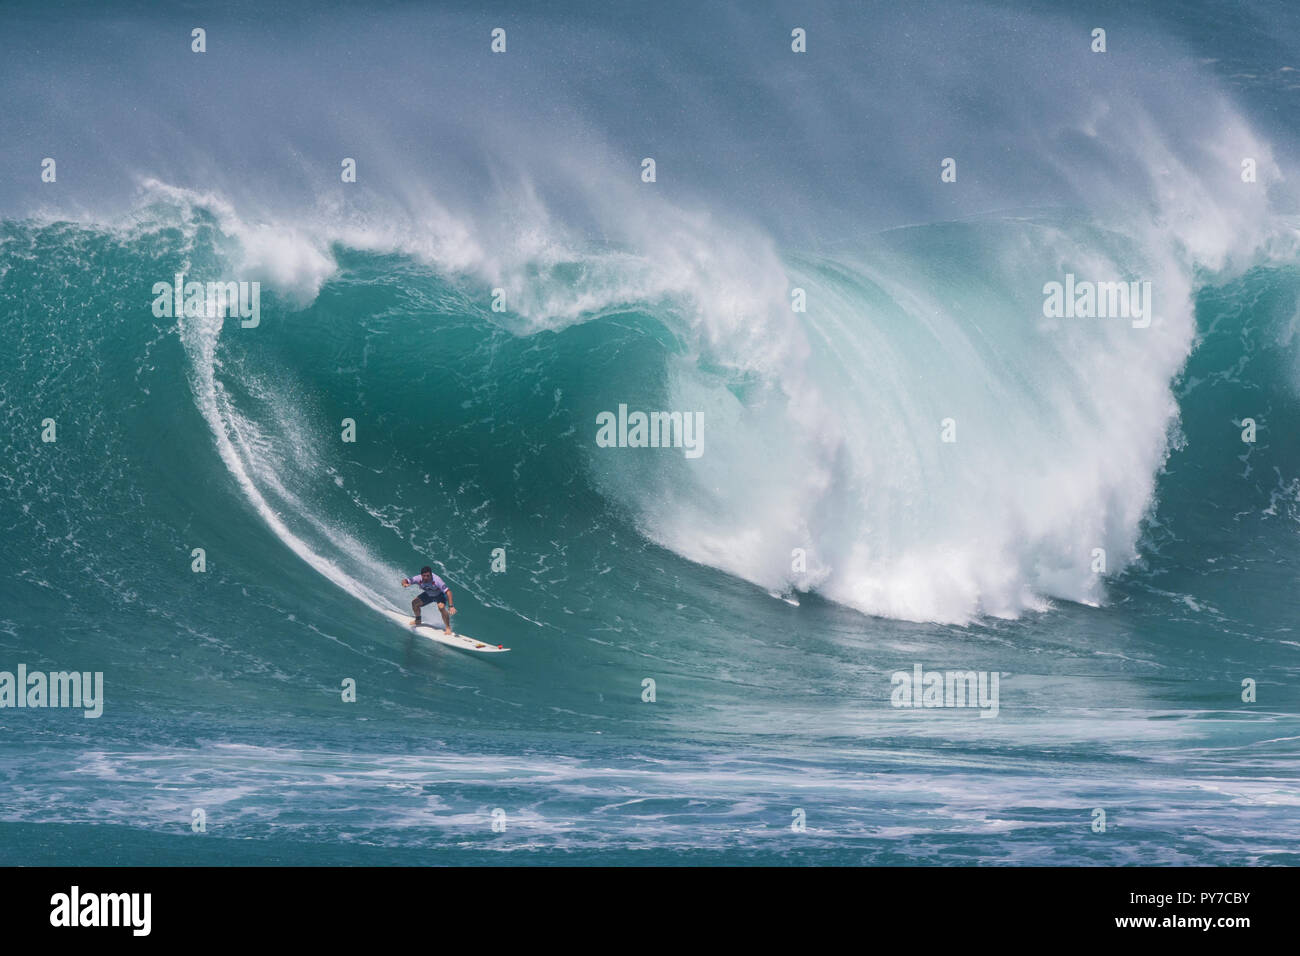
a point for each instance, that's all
(432, 590)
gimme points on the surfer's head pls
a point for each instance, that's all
(426, 572)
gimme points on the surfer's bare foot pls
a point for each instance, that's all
(416, 621)
(447, 630)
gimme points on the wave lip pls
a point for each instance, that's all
(939, 449)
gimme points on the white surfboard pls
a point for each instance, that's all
(434, 632)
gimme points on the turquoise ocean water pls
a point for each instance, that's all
(771, 737)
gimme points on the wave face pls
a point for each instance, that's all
(924, 460)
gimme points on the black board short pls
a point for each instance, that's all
(427, 597)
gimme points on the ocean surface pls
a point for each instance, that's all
(703, 649)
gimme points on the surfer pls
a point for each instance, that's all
(432, 590)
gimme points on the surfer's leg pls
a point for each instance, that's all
(446, 618)
(418, 603)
